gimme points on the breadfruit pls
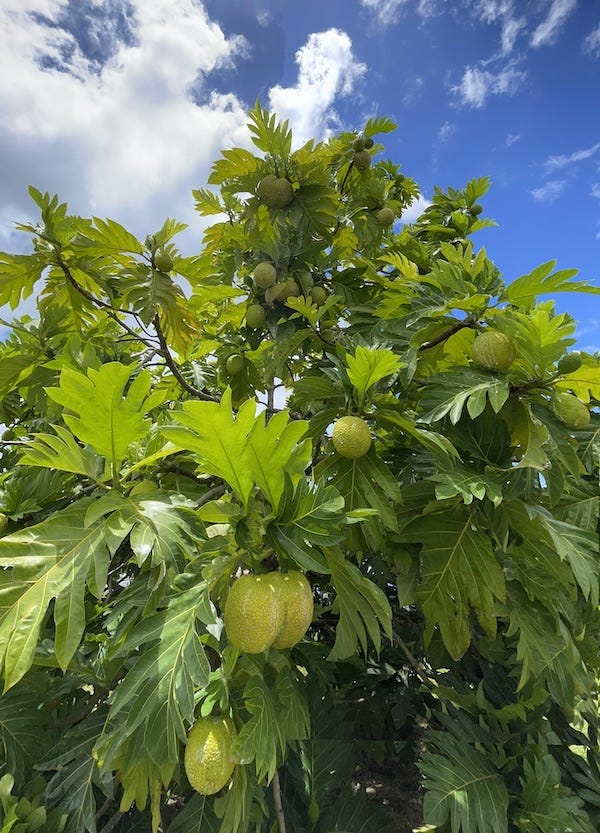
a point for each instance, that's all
(351, 437)
(255, 316)
(385, 216)
(493, 350)
(570, 410)
(163, 261)
(570, 362)
(362, 160)
(264, 275)
(275, 191)
(208, 757)
(253, 613)
(297, 601)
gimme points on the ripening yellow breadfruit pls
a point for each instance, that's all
(253, 613)
(351, 437)
(297, 599)
(208, 758)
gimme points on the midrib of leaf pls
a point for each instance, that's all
(111, 418)
(233, 468)
(450, 559)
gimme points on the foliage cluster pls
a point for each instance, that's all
(453, 564)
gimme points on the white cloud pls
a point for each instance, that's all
(511, 139)
(550, 191)
(554, 163)
(511, 29)
(501, 11)
(595, 190)
(446, 131)
(124, 138)
(477, 84)
(548, 31)
(327, 69)
(414, 211)
(388, 12)
(591, 44)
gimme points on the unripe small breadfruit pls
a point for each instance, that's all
(369, 142)
(163, 261)
(297, 601)
(570, 410)
(493, 350)
(319, 295)
(570, 362)
(275, 191)
(3, 523)
(351, 437)
(255, 316)
(253, 613)
(385, 216)
(273, 294)
(358, 143)
(362, 160)
(208, 757)
(289, 289)
(264, 275)
(234, 364)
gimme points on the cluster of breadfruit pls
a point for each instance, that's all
(272, 288)
(271, 610)
(493, 350)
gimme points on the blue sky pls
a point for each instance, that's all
(120, 106)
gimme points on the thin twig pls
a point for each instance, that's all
(410, 657)
(458, 325)
(277, 801)
(213, 493)
(166, 354)
(80, 714)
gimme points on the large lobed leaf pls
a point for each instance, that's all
(51, 561)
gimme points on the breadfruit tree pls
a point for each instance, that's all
(323, 495)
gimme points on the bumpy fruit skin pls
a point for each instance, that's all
(298, 607)
(208, 758)
(255, 316)
(264, 275)
(570, 363)
(319, 295)
(570, 410)
(163, 261)
(369, 142)
(385, 216)
(253, 613)
(493, 351)
(351, 437)
(362, 160)
(234, 364)
(275, 191)
(3, 523)
(358, 143)
(289, 289)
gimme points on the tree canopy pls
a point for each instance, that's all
(325, 393)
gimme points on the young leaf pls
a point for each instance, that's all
(100, 413)
(369, 365)
(61, 452)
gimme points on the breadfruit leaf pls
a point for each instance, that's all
(52, 560)
(61, 451)
(449, 393)
(99, 411)
(368, 366)
(459, 571)
(362, 606)
(522, 291)
(462, 786)
(155, 700)
(18, 276)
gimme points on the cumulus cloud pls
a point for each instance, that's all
(550, 191)
(478, 83)
(123, 137)
(414, 211)
(327, 69)
(548, 30)
(555, 163)
(591, 44)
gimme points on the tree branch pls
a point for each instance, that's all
(458, 325)
(277, 801)
(166, 354)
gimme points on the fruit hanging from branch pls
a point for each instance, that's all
(493, 350)
(208, 758)
(297, 602)
(351, 437)
(264, 275)
(275, 191)
(163, 261)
